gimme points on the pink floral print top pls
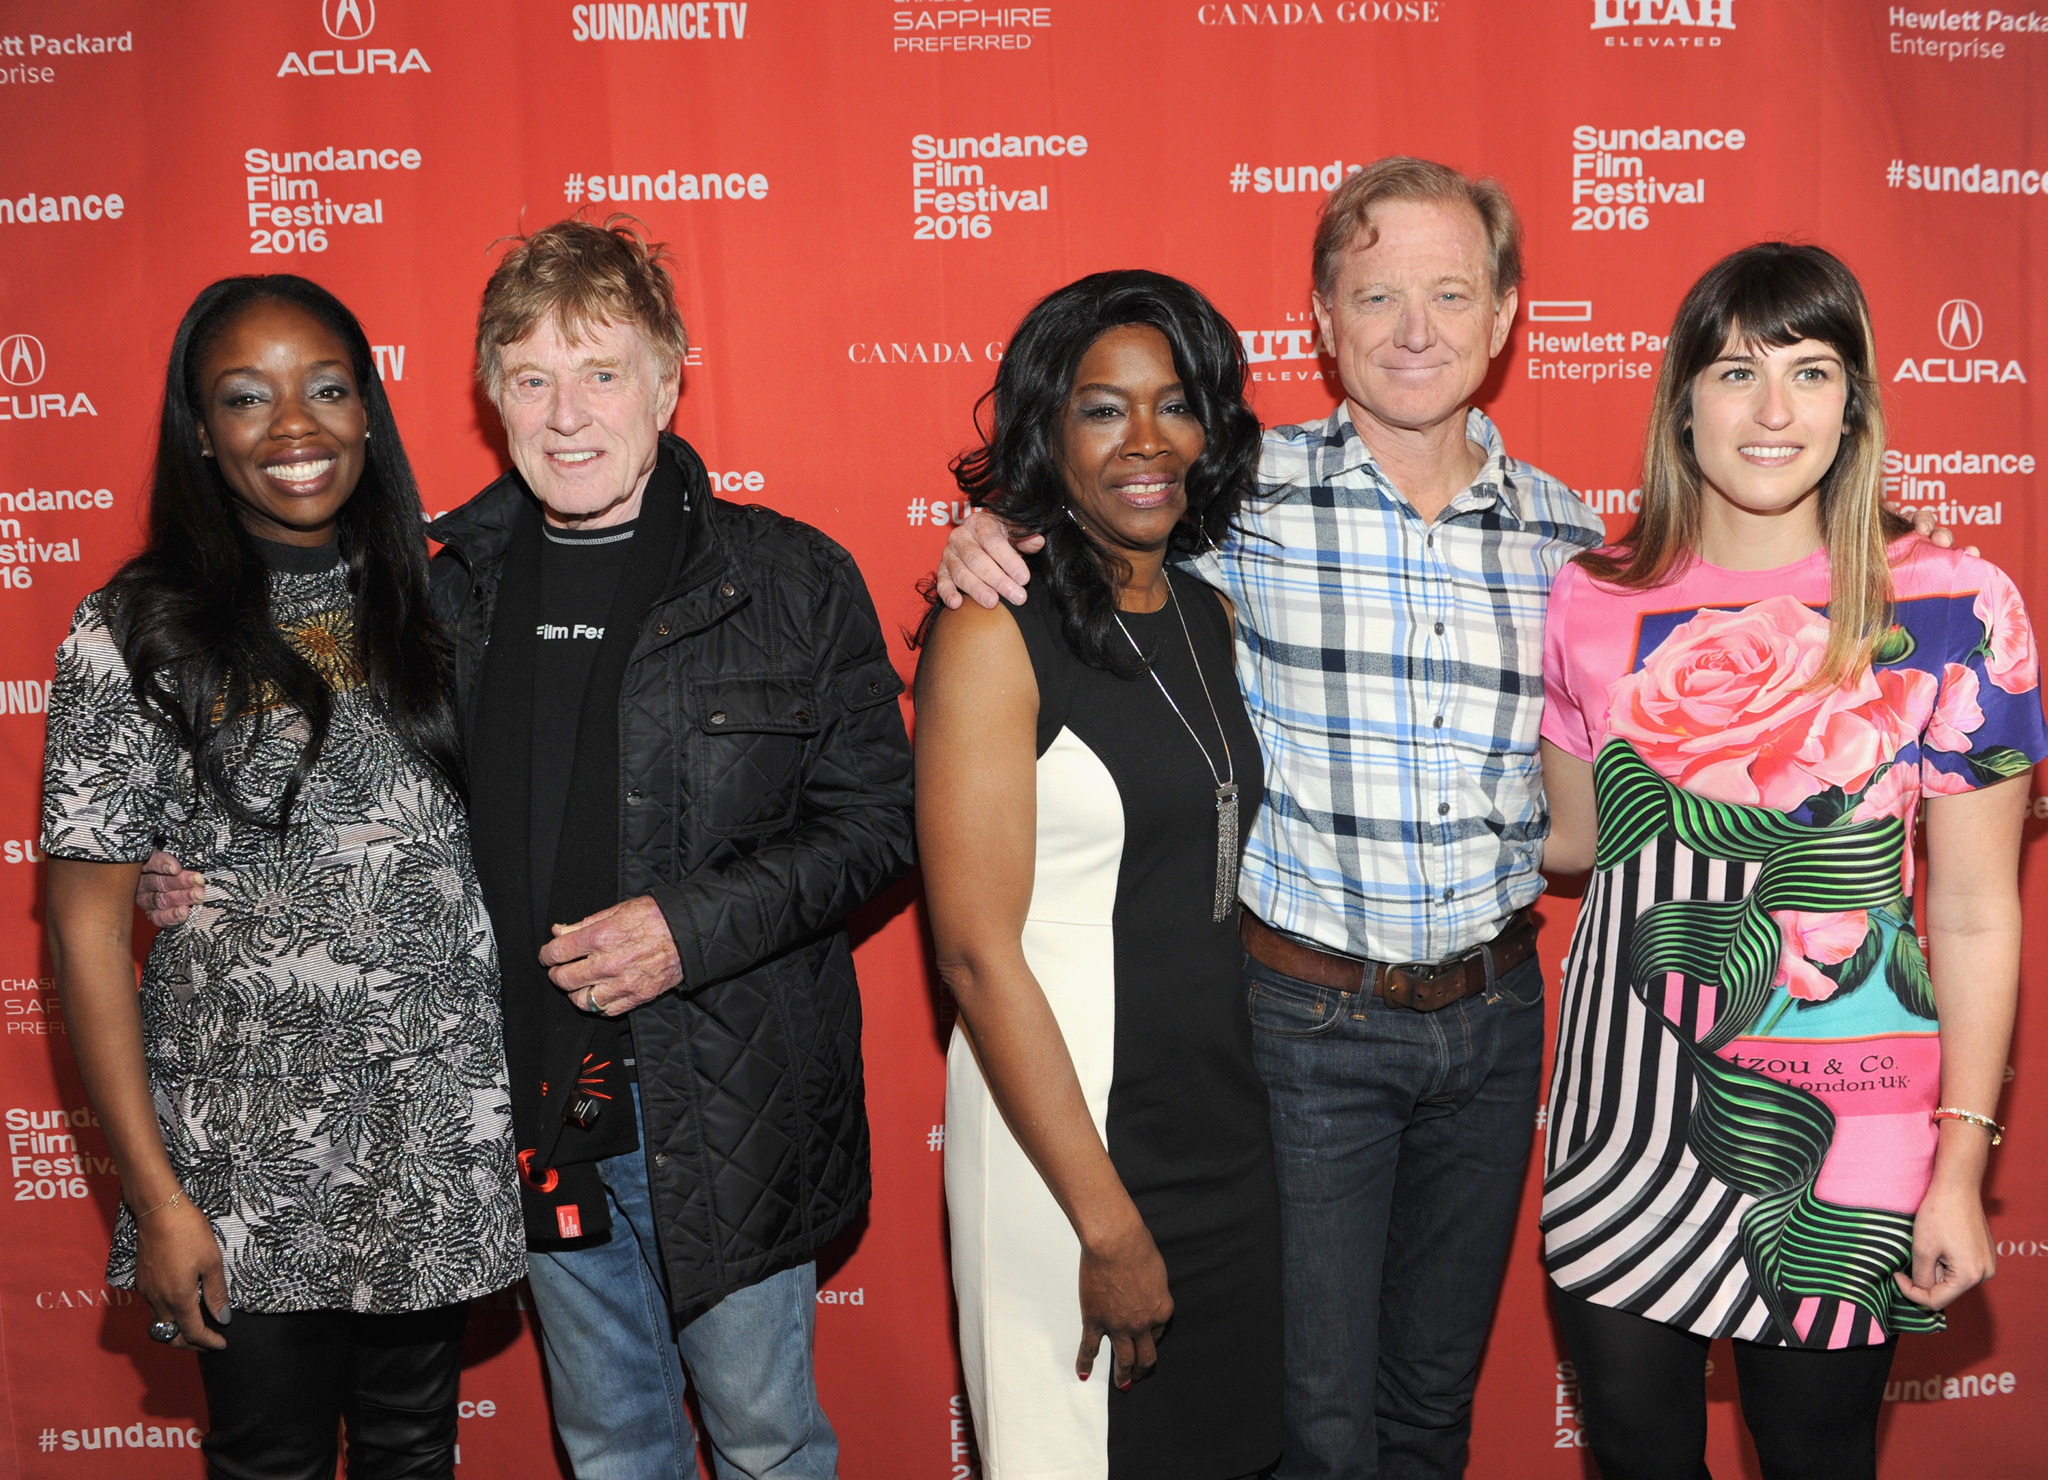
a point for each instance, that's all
(1748, 1052)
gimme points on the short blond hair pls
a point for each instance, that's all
(584, 275)
(1347, 215)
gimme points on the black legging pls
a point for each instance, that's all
(286, 1384)
(1643, 1396)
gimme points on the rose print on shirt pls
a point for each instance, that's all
(1958, 715)
(2009, 656)
(1828, 937)
(1724, 709)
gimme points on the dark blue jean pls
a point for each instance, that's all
(1402, 1139)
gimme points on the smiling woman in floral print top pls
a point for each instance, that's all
(1769, 1119)
(307, 1102)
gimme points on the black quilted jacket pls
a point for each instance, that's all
(764, 782)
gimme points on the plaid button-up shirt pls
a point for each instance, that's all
(1394, 672)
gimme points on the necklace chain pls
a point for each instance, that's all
(1229, 773)
(1226, 783)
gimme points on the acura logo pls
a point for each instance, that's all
(348, 20)
(21, 359)
(1961, 324)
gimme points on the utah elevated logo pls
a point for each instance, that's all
(1703, 15)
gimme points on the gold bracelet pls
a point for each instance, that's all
(170, 1201)
(1949, 1112)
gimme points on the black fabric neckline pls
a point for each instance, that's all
(298, 560)
(611, 534)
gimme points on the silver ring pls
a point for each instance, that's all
(163, 1331)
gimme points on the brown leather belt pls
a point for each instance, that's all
(1412, 984)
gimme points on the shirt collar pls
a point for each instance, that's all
(1497, 483)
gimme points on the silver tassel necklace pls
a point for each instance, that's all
(1226, 780)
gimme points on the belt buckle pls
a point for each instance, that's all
(1412, 984)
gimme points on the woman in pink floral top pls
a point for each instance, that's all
(1746, 703)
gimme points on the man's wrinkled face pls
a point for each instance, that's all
(1412, 319)
(584, 418)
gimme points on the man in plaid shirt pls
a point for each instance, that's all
(1390, 577)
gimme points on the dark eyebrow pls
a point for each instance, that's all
(256, 370)
(1117, 390)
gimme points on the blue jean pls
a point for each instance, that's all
(1402, 1140)
(617, 1359)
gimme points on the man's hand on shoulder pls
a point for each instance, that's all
(167, 891)
(984, 561)
(1935, 533)
(616, 959)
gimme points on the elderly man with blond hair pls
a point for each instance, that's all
(686, 767)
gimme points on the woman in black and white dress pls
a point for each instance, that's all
(1085, 774)
(307, 1101)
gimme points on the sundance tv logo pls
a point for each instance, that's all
(693, 20)
(351, 20)
(1658, 17)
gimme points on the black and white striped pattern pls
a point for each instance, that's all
(1631, 1220)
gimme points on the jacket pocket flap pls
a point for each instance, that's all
(864, 685)
(770, 704)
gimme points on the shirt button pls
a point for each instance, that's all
(1450, 893)
(803, 716)
(1439, 629)
(1443, 809)
(726, 589)
(874, 686)
(1437, 723)
(718, 716)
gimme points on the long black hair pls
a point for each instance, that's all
(1016, 472)
(191, 612)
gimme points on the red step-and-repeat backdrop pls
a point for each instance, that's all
(863, 197)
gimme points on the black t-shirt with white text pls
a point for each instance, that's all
(579, 571)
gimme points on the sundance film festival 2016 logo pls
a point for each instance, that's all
(1959, 324)
(1657, 17)
(351, 20)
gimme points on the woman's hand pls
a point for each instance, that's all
(179, 1260)
(1952, 1248)
(1123, 1297)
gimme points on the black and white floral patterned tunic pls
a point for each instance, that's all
(322, 1033)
